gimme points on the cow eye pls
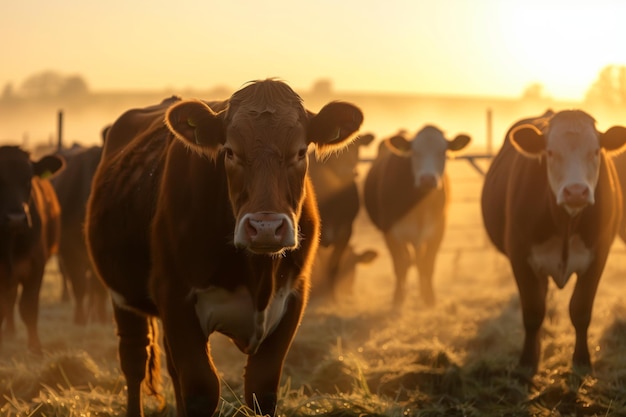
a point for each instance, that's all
(229, 153)
(302, 154)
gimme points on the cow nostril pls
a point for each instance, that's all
(15, 219)
(280, 228)
(250, 229)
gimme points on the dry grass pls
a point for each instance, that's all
(361, 357)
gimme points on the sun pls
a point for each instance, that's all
(563, 44)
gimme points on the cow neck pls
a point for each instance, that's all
(261, 285)
(570, 227)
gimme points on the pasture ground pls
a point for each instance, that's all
(361, 357)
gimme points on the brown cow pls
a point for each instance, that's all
(29, 233)
(406, 195)
(203, 215)
(551, 204)
(337, 195)
(73, 186)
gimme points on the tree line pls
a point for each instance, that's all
(609, 88)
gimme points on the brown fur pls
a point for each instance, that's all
(161, 226)
(520, 211)
(26, 244)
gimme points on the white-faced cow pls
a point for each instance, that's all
(202, 214)
(73, 186)
(551, 203)
(334, 181)
(29, 234)
(406, 195)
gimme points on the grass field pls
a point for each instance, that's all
(359, 356)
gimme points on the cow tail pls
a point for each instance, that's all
(153, 381)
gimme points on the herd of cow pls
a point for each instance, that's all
(208, 216)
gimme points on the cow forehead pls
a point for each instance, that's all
(282, 129)
(429, 140)
(14, 160)
(572, 132)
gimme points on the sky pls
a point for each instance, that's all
(447, 47)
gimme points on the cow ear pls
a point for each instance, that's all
(365, 139)
(528, 140)
(334, 126)
(48, 166)
(458, 143)
(614, 139)
(398, 145)
(196, 125)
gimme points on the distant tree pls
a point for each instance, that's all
(74, 86)
(322, 86)
(534, 91)
(8, 92)
(52, 84)
(610, 87)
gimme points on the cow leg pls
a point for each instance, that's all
(133, 333)
(75, 270)
(580, 308)
(174, 377)
(198, 385)
(264, 368)
(8, 308)
(425, 257)
(98, 297)
(334, 263)
(29, 302)
(65, 292)
(401, 258)
(532, 291)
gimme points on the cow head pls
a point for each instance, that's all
(16, 174)
(427, 150)
(343, 164)
(263, 135)
(572, 148)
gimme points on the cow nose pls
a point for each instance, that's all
(576, 195)
(428, 181)
(16, 219)
(266, 232)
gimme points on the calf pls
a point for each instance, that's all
(552, 205)
(406, 195)
(73, 186)
(29, 233)
(202, 214)
(336, 191)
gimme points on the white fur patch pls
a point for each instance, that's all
(233, 314)
(546, 259)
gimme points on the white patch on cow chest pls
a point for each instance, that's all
(233, 314)
(418, 225)
(547, 259)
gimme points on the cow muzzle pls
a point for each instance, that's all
(17, 220)
(575, 197)
(265, 233)
(427, 181)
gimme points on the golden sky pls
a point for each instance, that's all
(469, 47)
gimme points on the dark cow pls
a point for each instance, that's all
(406, 195)
(29, 233)
(73, 186)
(202, 214)
(346, 272)
(552, 205)
(336, 191)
